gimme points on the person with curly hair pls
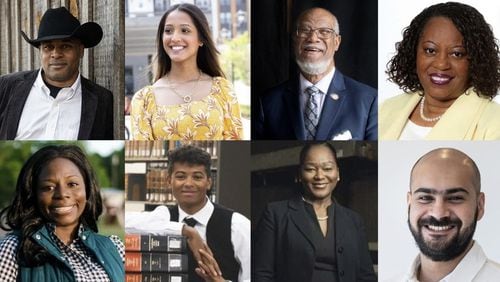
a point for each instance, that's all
(53, 219)
(448, 66)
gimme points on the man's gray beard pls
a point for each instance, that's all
(313, 68)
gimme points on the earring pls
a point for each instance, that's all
(201, 44)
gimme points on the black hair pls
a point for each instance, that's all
(190, 155)
(479, 42)
(23, 214)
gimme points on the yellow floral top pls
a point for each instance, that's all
(215, 117)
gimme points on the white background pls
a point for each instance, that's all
(395, 15)
(397, 247)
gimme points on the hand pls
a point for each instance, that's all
(195, 242)
(208, 268)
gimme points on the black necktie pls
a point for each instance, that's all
(190, 221)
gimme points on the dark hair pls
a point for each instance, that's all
(206, 59)
(24, 215)
(309, 145)
(479, 42)
(190, 155)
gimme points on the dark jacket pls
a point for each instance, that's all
(96, 121)
(102, 247)
(283, 251)
(354, 108)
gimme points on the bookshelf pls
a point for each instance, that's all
(146, 171)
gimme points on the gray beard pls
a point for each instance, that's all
(313, 68)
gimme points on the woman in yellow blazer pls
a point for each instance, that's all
(448, 65)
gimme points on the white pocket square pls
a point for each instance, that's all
(344, 135)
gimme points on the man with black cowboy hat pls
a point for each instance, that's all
(56, 102)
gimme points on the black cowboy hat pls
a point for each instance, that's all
(60, 24)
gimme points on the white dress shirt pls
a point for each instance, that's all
(474, 267)
(322, 85)
(47, 118)
(158, 222)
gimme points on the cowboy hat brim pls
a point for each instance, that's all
(90, 34)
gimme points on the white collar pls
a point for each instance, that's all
(465, 270)
(202, 216)
(322, 85)
(39, 83)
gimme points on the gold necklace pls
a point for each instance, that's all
(187, 98)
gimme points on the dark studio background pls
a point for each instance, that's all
(274, 170)
(273, 23)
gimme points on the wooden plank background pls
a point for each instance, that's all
(103, 64)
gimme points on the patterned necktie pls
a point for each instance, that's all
(311, 112)
(190, 221)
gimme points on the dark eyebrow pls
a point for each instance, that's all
(446, 192)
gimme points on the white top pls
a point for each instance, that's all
(47, 118)
(474, 267)
(322, 85)
(412, 131)
(158, 222)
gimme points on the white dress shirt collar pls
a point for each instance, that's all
(62, 95)
(466, 270)
(322, 85)
(202, 216)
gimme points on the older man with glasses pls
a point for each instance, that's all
(320, 103)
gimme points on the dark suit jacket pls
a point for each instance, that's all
(96, 121)
(355, 110)
(283, 251)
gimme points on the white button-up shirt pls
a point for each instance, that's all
(474, 267)
(48, 118)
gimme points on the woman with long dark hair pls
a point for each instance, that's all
(53, 219)
(190, 99)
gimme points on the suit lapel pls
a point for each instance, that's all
(299, 218)
(331, 106)
(293, 107)
(89, 108)
(21, 93)
(341, 232)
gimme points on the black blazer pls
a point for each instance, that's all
(354, 108)
(283, 251)
(96, 121)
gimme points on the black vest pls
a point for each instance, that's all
(219, 241)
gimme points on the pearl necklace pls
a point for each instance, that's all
(187, 98)
(434, 119)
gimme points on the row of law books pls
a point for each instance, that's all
(155, 258)
(158, 149)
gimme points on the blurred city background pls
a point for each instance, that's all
(230, 25)
(107, 159)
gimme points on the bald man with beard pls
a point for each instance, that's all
(444, 204)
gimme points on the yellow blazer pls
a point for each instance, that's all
(470, 117)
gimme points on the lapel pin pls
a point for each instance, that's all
(334, 96)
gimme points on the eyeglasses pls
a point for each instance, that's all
(322, 32)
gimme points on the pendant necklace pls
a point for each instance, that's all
(187, 98)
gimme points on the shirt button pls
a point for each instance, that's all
(340, 250)
(341, 273)
(37, 236)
